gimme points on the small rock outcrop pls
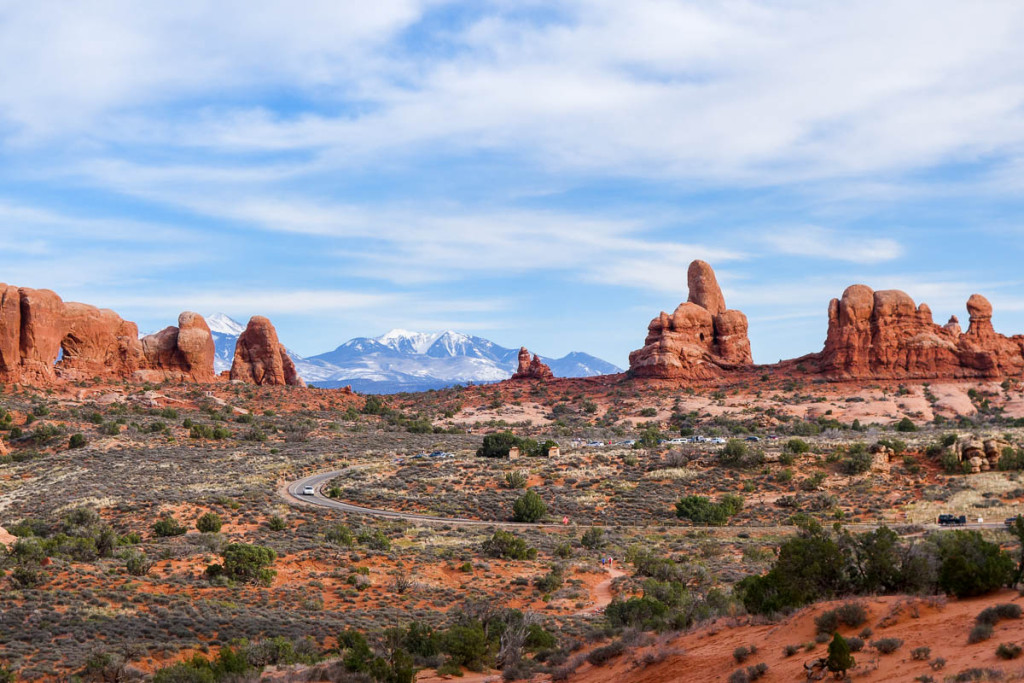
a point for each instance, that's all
(981, 455)
(44, 339)
(697, 341)
(260, 358)
(884, 335)
(531, 368)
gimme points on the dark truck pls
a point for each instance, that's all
(952, 520)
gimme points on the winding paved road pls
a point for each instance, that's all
(292, 494)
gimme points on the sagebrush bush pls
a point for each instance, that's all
(887, 646)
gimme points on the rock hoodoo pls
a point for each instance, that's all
(44, 339)
(531, 368)
(697, 341)
(883, 335)
(183, 353)
(260, 358)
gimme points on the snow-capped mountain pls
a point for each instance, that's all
(225, 333)
(401, 360)
(415, 361)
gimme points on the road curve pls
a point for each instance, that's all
(292, 494)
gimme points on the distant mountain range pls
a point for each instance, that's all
(407, 361)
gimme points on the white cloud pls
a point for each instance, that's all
(822, 243)
(731, 91)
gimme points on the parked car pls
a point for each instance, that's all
(952, 520)
(753, 438)
(1010, 521)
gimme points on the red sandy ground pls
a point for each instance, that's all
(705, 654)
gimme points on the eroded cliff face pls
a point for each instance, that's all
(883, 335)
(37, 327)
(531, 367)
(260, 358)
(699, 340)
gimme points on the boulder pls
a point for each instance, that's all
(699, 340)
(531, 368)
(260, 358)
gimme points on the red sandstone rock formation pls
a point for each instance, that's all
(261, 359)
(699, 340)
(182, 353)
(531, 368)
(882, 335)
(37, 328)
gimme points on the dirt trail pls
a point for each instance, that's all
(603, 592)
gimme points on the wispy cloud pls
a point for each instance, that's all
(824, 243)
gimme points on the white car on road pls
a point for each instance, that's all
(308, 491)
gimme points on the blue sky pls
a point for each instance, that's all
(537, 173)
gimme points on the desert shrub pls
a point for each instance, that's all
(209, 523)
(599, 656)
(700, 510)
(77, 441)
(467, 646)
(27, 577)
(857, 461)
(906, 425)
(248, 563)
(981, 631)
(1008, 610)
(497, 445)
(529, 507)
(742, 653)
(737, 454)
(374, 540)
(797, 446)
(644, 613)
(506, 545)
(790, 650)
(1008, 651)
(759, 670)
(887, 646)
(852, 613)
(137, 564)
(549, 582)
(514, 480)
(856, 643)
(168, 526)
(339, 534)
(921, 654)
(592, 538)
(827, 622)
(970, 565)
(276, 523)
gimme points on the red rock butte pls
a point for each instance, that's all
(45, 340)
(531, 368)
(871, 335)
(883, 335)
(700, 340)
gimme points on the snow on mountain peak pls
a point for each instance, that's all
(408, 342)
(222, 324)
